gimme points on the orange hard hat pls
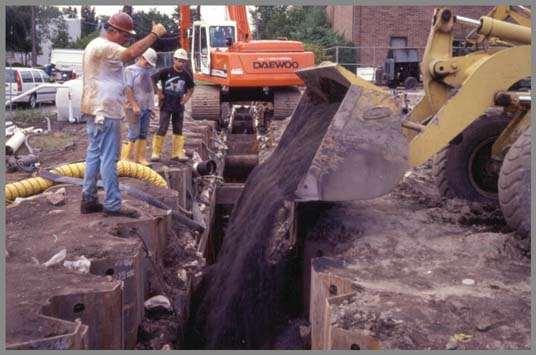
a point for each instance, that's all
(123, 22)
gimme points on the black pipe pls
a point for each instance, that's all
(207, 167)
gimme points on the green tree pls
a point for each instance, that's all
(89, 20)
(270, 22)
(18, 26)
(49, 19)
(307, 24)
(143, 22)
(127, 9)
(71, 12)
(61, 37)
(82, 42)
(49, 26)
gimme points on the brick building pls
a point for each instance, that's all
(375, 28)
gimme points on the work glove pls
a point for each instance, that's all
(99, 119)
(158, 29)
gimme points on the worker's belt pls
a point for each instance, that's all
(132, 191)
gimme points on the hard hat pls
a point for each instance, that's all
(150, 56)
(180, 54)
(123, 22)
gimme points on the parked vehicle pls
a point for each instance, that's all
(19, 80)
(67, 63)
(400, 68)
(367, 73)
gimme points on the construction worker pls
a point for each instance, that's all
(102, 107)
(177, 88)
(140, 105)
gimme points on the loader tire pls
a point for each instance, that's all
(410, 83)
(464, 169)
(514, 185)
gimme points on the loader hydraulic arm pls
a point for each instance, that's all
(458, 90)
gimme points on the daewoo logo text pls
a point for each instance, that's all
(275, 64)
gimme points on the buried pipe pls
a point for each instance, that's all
(203, 168)
(35, 185)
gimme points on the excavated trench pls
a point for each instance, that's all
(251, 289)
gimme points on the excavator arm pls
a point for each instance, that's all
(238, 13)
(185, 23)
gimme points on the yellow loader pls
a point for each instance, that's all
(474, 120)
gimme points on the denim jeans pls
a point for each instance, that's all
(176, 122)
(101, 156)
(140, 129)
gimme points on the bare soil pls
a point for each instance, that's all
(398, 237)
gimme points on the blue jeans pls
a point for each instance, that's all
(140, 129)
(102, 155)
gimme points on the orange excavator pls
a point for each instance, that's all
(232, 68)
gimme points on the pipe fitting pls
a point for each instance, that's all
(202, 168)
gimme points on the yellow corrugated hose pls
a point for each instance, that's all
(35, 185)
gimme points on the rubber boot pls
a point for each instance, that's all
(158, 142)
(177, 148)
(126, 149)
(140, 151)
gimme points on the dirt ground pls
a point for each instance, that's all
(417, 219)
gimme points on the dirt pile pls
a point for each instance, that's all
(245, 294)
(428, 273)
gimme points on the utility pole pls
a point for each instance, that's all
(34, 42)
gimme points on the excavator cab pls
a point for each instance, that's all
(208, 37)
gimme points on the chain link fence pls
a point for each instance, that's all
(354, 58)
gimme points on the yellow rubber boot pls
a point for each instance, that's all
(158, 142)
(126, 149)
(177, 148)
(140, 151)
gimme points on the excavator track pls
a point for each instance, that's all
(206, 103)
(285, 101)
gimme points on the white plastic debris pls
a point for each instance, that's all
(158, 301)
(182, 275)
(82, 264)
(56, 259)
(196, 158)
(468, 282)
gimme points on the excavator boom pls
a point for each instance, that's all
(238, 13)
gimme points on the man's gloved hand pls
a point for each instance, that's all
(158, 29)
(99, 119)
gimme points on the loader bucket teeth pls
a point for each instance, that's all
(363, 153)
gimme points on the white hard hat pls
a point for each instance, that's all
(180, 54)
(150, 56)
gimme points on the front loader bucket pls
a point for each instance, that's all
(363, 153)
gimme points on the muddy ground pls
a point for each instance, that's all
(415, 197)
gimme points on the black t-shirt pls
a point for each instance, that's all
(174, 85)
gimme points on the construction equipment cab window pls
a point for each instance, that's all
(221, 36)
